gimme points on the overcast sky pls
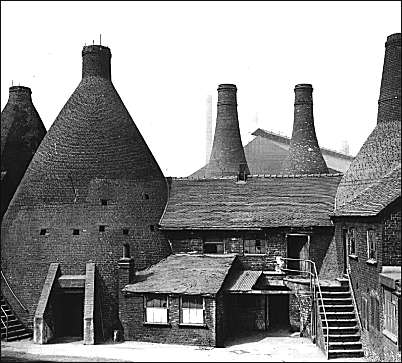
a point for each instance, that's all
(167, 57)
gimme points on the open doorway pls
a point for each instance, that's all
(278, 311)
(70, 314)
(298, 248)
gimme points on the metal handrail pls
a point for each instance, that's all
(5, 325)
(354, 302)
(16, 298)
(317, 282)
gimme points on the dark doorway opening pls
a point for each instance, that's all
(278, 311)
(70, 314)
(298, 248)
(345, 250)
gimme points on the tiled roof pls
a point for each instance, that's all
(375, 197)
(243, 281)
(272, 201)
(183, 274)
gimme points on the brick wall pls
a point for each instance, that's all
(132, 318)
(365, 275)
(391, 244)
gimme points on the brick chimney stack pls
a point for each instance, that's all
(389, 103)
(304, 153)
(227, 155)
(96, 61)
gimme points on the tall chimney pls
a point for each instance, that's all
(96, 61)
(304, 153)
(227, 155)
(208, 135)
(389, 103)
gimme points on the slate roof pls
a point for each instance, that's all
(374, 198)
(183, 274)
(273, 201)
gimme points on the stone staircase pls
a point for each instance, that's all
(344, 332)
(16, 330)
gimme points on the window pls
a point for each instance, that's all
(146, 196)
(152, 227)
(125, 231)
(371, 245)
(103, 201)
(76, 232)
(351, 236)
(43, 232)
(192, 310)
(254, 246)
(156, 309)
(126, 250)
(374, 317)
(213, 246)
(364, 313)
(102, 228)
(390, 307)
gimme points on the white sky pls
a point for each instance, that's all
(168, 56)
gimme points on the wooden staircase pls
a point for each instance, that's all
(11, 326)
(343, 328)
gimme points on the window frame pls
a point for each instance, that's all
(148, 297)
(371, 243)
(390, 318)
(262, 246)
(351, 239)
(181, 321)
(213, 241)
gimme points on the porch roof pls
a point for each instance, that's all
(243, 281)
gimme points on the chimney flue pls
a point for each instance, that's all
(389, 103)
(96, 61)
(19, 94)
(227, 149)
(304, 153)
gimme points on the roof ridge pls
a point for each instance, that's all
(261, 176)
(287, 138)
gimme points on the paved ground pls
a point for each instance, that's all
(260, 347)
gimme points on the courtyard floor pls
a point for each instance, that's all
(259, 347)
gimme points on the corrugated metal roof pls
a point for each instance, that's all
(243, 281)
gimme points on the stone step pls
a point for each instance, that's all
(355, 353)
(334, 288)
(11, 323)
(337, 308)
(336, 301)
(345, 345)
(341, 315)
(341, 323)
(336, 294)
(340, 330)
(15, 332)
(18, 337)
(343, 338)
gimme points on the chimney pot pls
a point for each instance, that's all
(96, 61)
(19, 93)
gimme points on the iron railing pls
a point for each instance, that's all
(354, 301)
(12, 292)
(5, 324)
(313, 284)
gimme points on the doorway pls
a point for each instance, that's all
(345, 250)
(278, 312)
(298, 248)
(70, 314)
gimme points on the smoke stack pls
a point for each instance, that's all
(96, 61)
(304, 153)
(227, 155)
(389, 103)
(381, 152)
(22, 131)
(208, 129)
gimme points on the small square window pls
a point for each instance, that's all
(152, 227)
(125, 231)
(146, 196)
(103, 201)
(43, 232)
(76, 232)
(102, 228)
